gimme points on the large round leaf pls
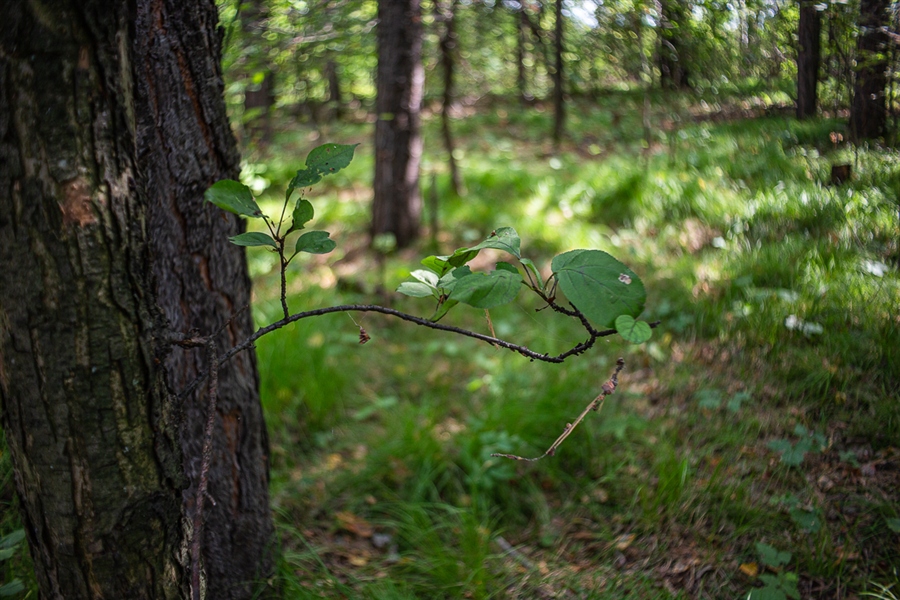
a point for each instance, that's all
(599, 286)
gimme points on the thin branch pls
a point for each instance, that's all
(523, 350)
(607, 389)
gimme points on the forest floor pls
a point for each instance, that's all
(753, 446)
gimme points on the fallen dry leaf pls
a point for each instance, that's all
(750, 569)
(354, 524)
(624, 541)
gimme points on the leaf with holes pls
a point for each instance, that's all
(233, 196)
(599, 285)
(330, 158)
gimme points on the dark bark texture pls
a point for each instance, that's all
(112, 125)
(397, 208)
(808, 58)
(868, 111)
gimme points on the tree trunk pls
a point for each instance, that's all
(559, 115)
(521, 82)
(673, 72)
(868, 113)
(447, 43)
(335, 99)
(397, 208)
(808, 58)
(112, 125)
(259, 95)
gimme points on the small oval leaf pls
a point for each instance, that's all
(636, 332)
(233, 196)
(253, 238)
(303, 213)
(315, 242)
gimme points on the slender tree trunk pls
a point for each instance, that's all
(808, 59)
(447, 43)
(335, 97)
(259, 98)
(112, 125)
(521, 81)
(397, 208)
(673, 72)
(868, 111)
(559, 116)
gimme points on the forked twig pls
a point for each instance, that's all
(608, 387)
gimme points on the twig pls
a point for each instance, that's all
(517, 555)
(204, 468)
(608, 388)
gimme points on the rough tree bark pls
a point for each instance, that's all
(112, 125)
(868, 111)
(808, 59)
(397, 207)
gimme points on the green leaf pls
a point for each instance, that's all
(599, 286)
(771, 555)
(233, 196)
(416, 289)
(438, 264)
(734, 404)
(304, 178)
(487, 290)
(505, 266)
(461, 257)
(427, 277)
(315, 242)
(253, 238)
(893, 525)
(530, 266)
(12, 588)
(806, 519)
(330, 158)
(504, 238)
(12, 539)
(303, 213)
(766, 593)
(448, 281)
(709, 399)
(6, 553)
(636, 332)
